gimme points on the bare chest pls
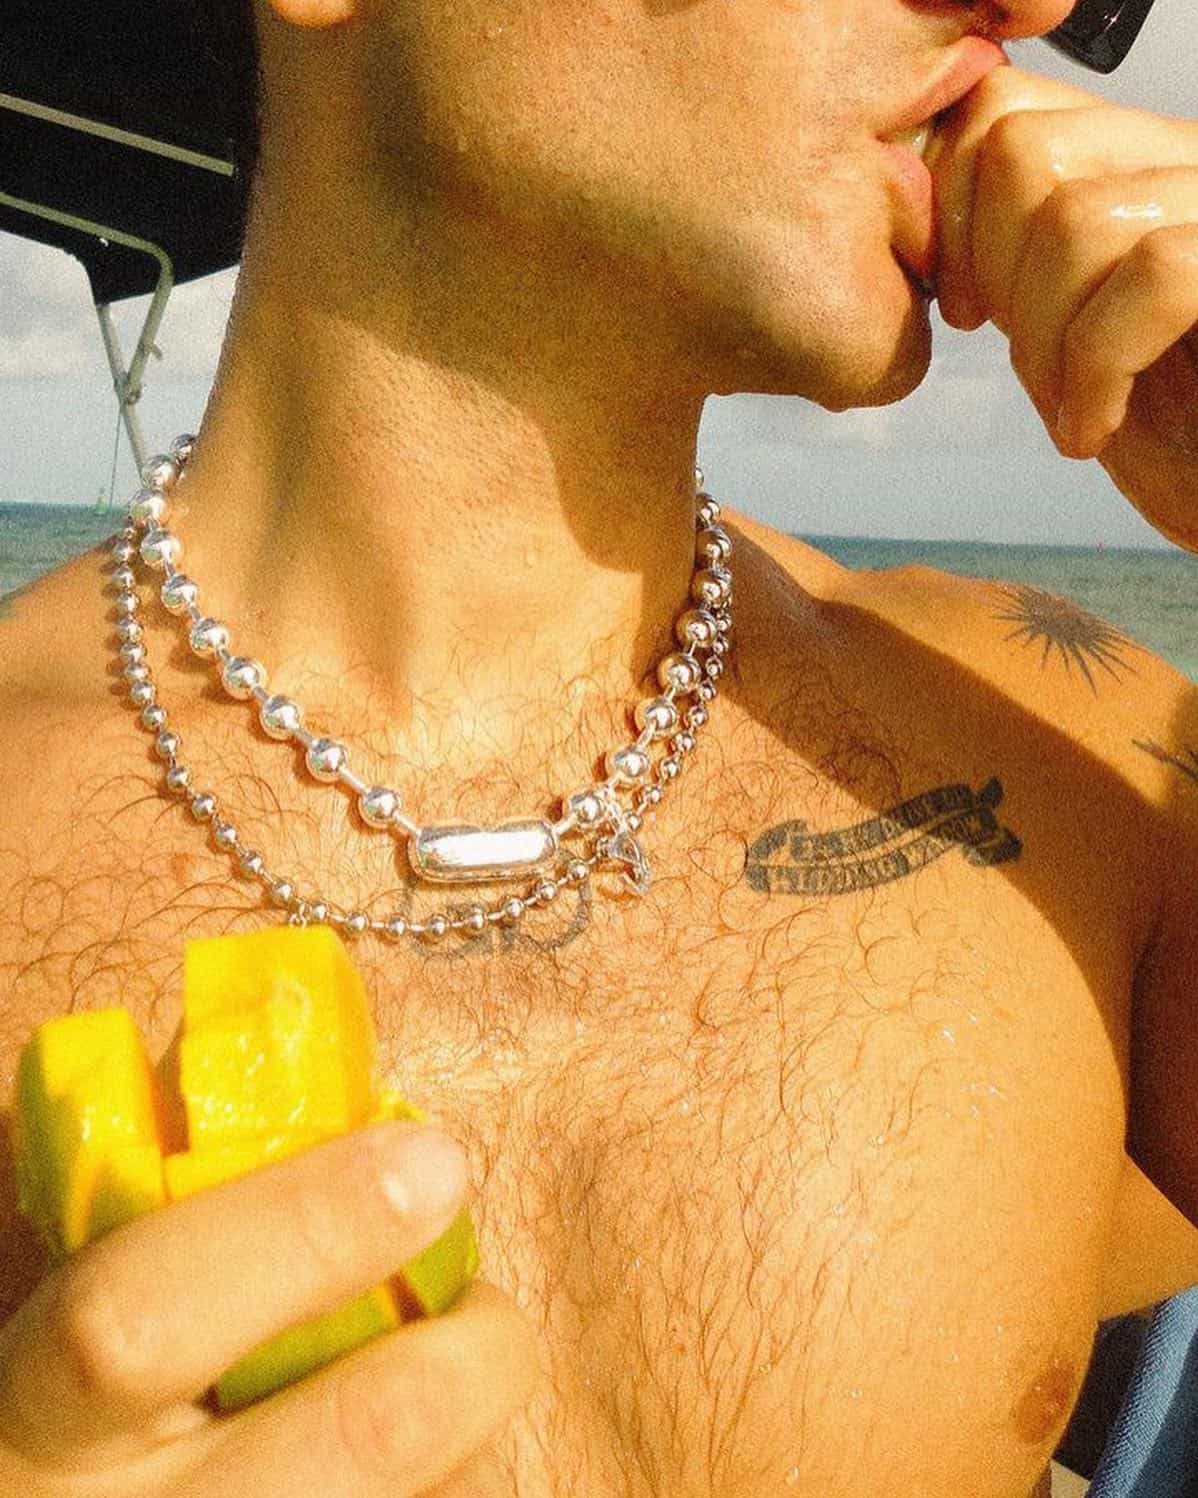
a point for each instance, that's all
(811, 1205)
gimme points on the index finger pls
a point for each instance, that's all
(952, 158)
(154, 1312)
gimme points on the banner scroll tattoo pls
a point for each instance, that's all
(788, 859)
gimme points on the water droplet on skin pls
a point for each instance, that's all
(792, 1477)
(954, 1357)
(636, 1263)
(579, 1029)
(765, 1368)
(878, 1139)
(948, 1035)
(974, 1111)
(684, 1106)
(854, 1393)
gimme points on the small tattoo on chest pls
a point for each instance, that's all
(790, 859)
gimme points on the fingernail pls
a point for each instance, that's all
(428, 1174)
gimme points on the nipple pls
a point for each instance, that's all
(1042, 1406)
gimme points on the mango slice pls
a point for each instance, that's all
(85, 1129)
(277, 1052)
(277, 1036)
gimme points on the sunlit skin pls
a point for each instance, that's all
(500, 255)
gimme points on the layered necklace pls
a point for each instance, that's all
(598, 825)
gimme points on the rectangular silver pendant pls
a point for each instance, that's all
(457, 852)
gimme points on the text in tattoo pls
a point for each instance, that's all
(1080, 638)
(789, 859)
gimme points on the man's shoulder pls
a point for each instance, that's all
(1040, 650)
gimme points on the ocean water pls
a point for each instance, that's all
(1150, 595)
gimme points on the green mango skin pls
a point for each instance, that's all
(426, 1285)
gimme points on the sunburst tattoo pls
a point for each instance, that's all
(1081, 638)
(1186, 762)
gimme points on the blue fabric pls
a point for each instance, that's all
(1152, 1450)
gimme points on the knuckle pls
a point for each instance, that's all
(1010, 140)
(1169, 251)
(382, 1422)
(1071, 211)
(104, 1346)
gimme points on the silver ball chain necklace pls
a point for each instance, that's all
(442, 853)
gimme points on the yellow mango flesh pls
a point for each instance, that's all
(85, 1129)
(277, 1053)
(277, 1037)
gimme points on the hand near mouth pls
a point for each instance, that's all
(1072, 225)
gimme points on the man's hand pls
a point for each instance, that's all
(1072, 225)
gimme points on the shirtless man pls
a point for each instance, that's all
(812, 1168)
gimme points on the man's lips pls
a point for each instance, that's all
(912, 195)
(975, 57)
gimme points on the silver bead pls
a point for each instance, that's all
(650, 796)
(166, 745)
(160, 472)
(241, 675)
(280, 717)
(698, 477)
(178, 780)
(126, 602)
(713, 544)
(129, 630)
(153, 717)
(715, 666)
(318, 911)
(132, 652)
(178, 594)
(723, 620)
(207, 636)
(137, 671)
(122, 577)
(123, 551)
(669, 768)
(395, 927)
(682, 743)
(356, 923)
(578, 872)
(148, 507)
(436, 927)
(709, 510)
(476, 919)
(142, 693)
(326, 758)
(680, 672)
(545, 892)
(706, 691)
(588, 808)
(250, 864)
(720, 646)
(378, 806)
(695, 627)
(203, 806)
(658, 713)
(697, 716)
(181, 447)
(628, 765)
(225, 836)
(282, 892)
(513, 909)
(711, 588)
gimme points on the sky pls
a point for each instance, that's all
(964, 457)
